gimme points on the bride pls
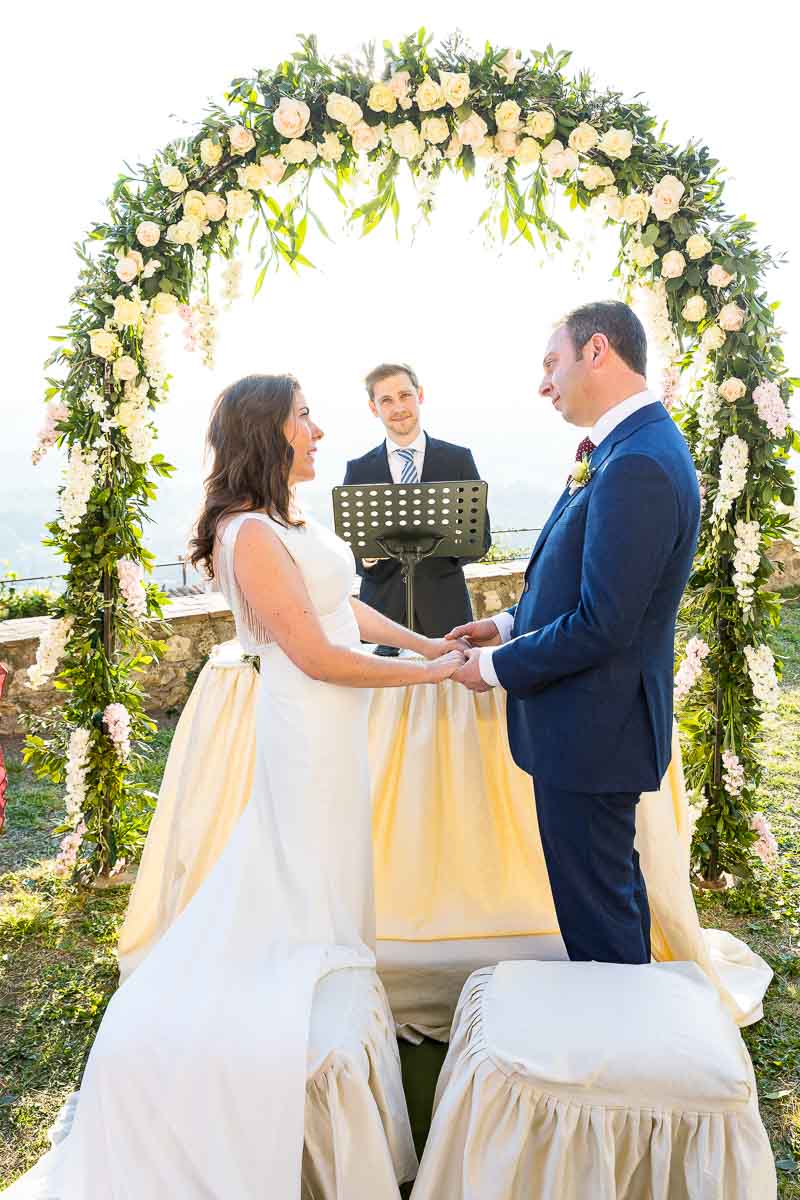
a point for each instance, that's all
(195, 1086)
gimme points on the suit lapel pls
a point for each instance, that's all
(430, 471)
(383, 473)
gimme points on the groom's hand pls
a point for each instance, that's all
(477, 633)
(470, 673)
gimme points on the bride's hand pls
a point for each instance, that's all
(443, 667)
(435, 647)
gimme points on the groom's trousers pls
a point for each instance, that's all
(597, 884)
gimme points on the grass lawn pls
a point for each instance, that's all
(58, 970)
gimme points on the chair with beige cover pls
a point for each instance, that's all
(595, 1081)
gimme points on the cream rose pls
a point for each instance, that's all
(381, 98)
(125, 368)
(164, 304)
(595, 176)
(104, 344)
(215, 206)
(506, 143)
(128, 267)
(274, 167)
(240, 203)
(291, 118)
(732, 389)
(673, 264)
(455, 87)
(298, 151)
(210, 152)
(563, 163)
(611, 201)
(429, 95)
(406, 140)
(507, 116)
(616, 143)
(635, 208)
(713, 338)
(399, 85)
(486, 148)
(509, 66)
(148, 233)
(366, 137)
(435, 130)
(694, 309)
(583, 138)
(186, 232)
(127, 312)
(644, 256)
(173, 178)
(528, 151)
(330, 148)
(253, 176)
(194, 206)
(241, 139)
(552, 150)
(731, 317)
(540, 124)
(453, 148)
(698, 246)
(718, 277)
(343, 109)
(666, 197)
(473, 131)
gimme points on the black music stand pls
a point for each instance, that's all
(412, 521)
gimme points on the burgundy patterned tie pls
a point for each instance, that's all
(586, 447)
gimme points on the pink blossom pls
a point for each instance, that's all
(48, 435)
(771, 408)
(691, 668)
(766, 847)
(118, 725)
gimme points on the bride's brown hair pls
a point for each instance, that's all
(252, 458)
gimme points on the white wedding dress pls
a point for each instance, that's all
(196, 1083)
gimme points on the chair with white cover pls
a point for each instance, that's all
(595, 1081)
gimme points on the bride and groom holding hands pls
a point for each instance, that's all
(195, 1085)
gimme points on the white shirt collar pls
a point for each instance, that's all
(616, 415)
(418, 445)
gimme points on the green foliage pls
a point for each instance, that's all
(17, 602)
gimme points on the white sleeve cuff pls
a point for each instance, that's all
(505, 623)
(486, 666)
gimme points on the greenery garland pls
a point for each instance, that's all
(528, 129)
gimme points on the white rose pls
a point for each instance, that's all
(562, 164)
(399, 84)
(147, 233)
(506, 143)
(616, 143)
(509, 65)
(215, 206)
(366, 137)
(455, 87)
(644, 256)
(694, 309)
(435, 130)
(172, 177)
(164, 304)
(584, 138)
(595, 176)
(612, 202)
(210, 152)
(541, 124)
(186, 232)
(635, 208)
(381, 98)
(731, 317)
(673, 264)
(507, 116)
(127, 312)
(666, 197)
(240, 203)
(253, 176)
(429, 95)
(128, 267)
(713, 338)
(330, 148)
(698, 246)
(472, 131)
(718, 277)
(274, 168)
(528, 151)
(103, 343)
(194, 206)
(343, 109)
(125, 368)
(298, 151)
(406, 140)
(552, 150)
(291, 118)
(732, 389)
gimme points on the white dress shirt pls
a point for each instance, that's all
(598, 433)
(396, 463)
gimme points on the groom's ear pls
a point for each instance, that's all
(421, 395)
(599, 349)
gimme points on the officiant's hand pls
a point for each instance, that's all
(431, 648)
(476, 633)
(470, 673)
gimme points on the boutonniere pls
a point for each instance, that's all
(579, 476)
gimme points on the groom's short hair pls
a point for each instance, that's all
(384, 371)
(620, 325)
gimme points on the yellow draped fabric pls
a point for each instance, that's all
(456, 842)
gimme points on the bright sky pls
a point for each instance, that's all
(91, 85)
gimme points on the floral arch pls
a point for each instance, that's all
(523, 127)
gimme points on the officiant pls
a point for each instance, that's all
(410, 455)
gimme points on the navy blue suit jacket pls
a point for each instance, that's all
(589, 675)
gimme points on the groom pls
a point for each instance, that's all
(587, 653)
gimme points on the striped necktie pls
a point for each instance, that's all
(409, 472)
